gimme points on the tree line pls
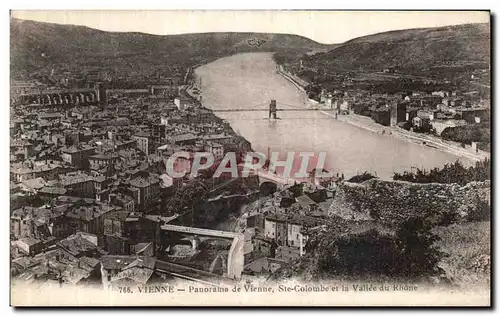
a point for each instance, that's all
(450, 173)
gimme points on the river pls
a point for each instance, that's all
(250, 80)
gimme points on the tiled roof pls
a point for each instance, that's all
(76, 244)
(144, 182)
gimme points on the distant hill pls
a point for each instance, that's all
(418, 48)
(37, 45)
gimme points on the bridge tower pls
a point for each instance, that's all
(272, 109)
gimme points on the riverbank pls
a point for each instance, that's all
(196, 98)
(228, 129)
(421, 139)
(368, 124)
(297, 82)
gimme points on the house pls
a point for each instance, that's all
(382, 116)
(101, 184)
(145, 229)
(39, 223)
(48, 193)
(185, 139)
(425, 114)
(77, 156)
(287, 229)
(125, 144)
(47, 171)
(306, 202)
(53, 117)
(255, 219)
(22, 147)
(411, 112)
(124, 201)
(144, 142)
(398, 113)
(84, 272)
(60, 263)
(148, 190)
(288, 254)
(443, 108)
(423, 120)
(182, 103)
(29, 246)
(475, 115)
(103, 163)
(87, 218)
(216, 149)
(114, 226)
(263, 246)
(33, 185)
(119, 270)
(81, 244)
(343, 108)
(442, 94)
(78, 184)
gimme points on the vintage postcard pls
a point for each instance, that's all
(250, 158)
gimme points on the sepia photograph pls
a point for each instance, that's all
(250, 158)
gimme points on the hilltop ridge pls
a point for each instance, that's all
(423, 47)
(36, 45)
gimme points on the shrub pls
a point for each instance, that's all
(410, 253)
(365, 176)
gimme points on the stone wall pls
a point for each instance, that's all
(393, 202)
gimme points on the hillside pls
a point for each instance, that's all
(36, 46)
(432, 232)
(414, 48)
(393, 202)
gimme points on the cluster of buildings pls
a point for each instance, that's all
(277, 228)
(72, 240)
(88, 179)
(419, 111)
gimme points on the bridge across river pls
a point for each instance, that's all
(235, 260)
(266, 110)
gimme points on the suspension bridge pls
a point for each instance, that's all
(269, 108)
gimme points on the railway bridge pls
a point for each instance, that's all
(83, 96)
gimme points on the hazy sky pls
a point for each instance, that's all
(321, 26)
